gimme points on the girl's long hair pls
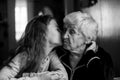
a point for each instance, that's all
(34, 42)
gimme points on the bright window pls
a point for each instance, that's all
(20, 18)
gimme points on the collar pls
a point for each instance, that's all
(65, 60)
(92, 47)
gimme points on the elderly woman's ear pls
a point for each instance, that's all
(88, 41)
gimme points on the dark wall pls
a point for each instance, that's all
(57, 7)
(3, 30)
(3, 9)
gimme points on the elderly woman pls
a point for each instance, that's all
(34, 55)
(83, 58)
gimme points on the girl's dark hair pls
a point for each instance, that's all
(33, 42)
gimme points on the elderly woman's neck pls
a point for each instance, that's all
(79, 50)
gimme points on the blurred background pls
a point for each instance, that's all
(14, 15)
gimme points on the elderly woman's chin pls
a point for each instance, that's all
(66, 46)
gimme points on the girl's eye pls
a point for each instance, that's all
(71, 31)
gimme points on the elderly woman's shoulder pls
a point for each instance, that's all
(105, 56)
(59, 51)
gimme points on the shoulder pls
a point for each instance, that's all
(94, 61)
(101, 64)
(19, 59)
(21, 55)
(59, 51)
(105, 56)
(91, 58)
(101, 57)
(102, 53)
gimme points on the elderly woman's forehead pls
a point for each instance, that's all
(69, 25)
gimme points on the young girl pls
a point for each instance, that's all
(34, 55)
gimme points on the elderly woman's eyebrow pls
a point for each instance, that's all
(73, 26)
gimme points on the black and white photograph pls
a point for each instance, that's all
(59, 39)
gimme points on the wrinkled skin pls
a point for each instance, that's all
(74, 40)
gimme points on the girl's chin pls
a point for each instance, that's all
(57, 44)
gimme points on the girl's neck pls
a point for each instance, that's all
(48, 48)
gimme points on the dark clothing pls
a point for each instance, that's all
(92, 66)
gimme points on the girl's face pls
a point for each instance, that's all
(53, 33)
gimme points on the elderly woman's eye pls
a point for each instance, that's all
(71, 31)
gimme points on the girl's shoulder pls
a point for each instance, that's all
(22, 55)
(20, 58)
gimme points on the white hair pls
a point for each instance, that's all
(85, 24)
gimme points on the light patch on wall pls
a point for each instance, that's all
(111, 18)
(106, 20)
(107, 15)
(20, 18)
(95, 12)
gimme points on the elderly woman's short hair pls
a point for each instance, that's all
(84, 23)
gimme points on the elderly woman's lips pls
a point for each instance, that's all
(66, 42)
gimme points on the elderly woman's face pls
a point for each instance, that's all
(73, 39)
(53, 33)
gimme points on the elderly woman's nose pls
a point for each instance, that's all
(65, 35)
